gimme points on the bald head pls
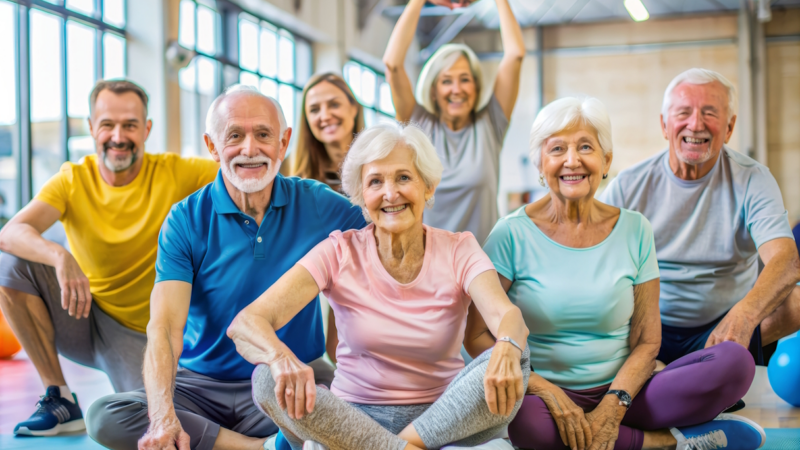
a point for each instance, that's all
(243, 102)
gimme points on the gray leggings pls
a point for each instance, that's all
(460, 416)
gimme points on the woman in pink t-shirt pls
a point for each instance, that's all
(400, 291)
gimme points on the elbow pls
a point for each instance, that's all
(392, 66)
(4, 241)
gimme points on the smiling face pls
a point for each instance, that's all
(394, 192)
(698, 122)
(330, 114)
(456, 91)
(119, 128)
(248, 144)
(573, 162)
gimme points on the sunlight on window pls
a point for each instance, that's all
(114, 12)
(206, 75)
(8, 82)
(206, 30)
(82, 6)
(186, 25)
(248, 79)
(269, 88)
(286, 58)
(352, 74)
(248, 45)
(187, 76)
(286, 99)
(113, 56)
(45, 41)
(387, 105)
(368, 87)
(80, 68)
(269, 53)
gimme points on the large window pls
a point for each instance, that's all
(254, 53)
(52, 54)
(372, 91)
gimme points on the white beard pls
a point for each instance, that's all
(250, 185)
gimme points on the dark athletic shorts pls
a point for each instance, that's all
(677, 342)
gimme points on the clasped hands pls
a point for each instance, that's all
(595, 430)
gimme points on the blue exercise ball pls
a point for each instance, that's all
(784, 370)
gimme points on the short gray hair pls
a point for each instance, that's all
(565, 113)
(377, 142)
(212, 121)
(699, 76)
(441, 60)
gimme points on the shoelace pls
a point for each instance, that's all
(43, 403)
(709, 441)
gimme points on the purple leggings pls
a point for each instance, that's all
(689, 391)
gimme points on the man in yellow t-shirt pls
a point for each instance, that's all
(92, 305)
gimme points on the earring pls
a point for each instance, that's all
(605, 175)
(541, 179)
(429, 202)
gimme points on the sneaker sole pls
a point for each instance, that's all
(66, 427)
(739, 418)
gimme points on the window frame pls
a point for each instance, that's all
(22, 71)
(380, 79)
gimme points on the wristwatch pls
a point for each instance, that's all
(510, 341)
(624, 398)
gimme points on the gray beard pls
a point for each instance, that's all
(119, 165)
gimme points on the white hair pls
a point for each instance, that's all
(699, 76)
(213, 123)
(377, 142)
(443, 59)
(565, 113)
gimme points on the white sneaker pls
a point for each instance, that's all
(494, 444)
(311, 445)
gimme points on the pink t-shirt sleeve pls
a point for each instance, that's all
(323, 261)
(470, 260)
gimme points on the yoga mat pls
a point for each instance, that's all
(73, 442)
(782, 439)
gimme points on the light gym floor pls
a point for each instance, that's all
(20, 388)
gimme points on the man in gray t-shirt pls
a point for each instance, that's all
(713, 211)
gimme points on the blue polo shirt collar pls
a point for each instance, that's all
(223, 204)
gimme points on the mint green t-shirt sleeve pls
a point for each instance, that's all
(499, 246)
(648, 263)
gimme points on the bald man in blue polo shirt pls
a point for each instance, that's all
(218, 250)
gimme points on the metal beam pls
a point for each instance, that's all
(447, 34)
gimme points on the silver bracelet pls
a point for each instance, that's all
(510, 341)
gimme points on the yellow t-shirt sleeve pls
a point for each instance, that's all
(195, 172)
(56, 191)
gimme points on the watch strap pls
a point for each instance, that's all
(510, 341)
(624, 397)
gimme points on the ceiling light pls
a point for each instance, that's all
(637, 10)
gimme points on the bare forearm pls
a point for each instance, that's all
(774, 284)
(160, 366)
(637, 369)
(510, 32)
(513, 326)
(24, 241)
(402, 35)
(256, 340)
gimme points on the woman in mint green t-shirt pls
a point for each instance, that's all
(586, 278)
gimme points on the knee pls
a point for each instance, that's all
(737, 366)
(533, 427)
(109, 419)
(264, 390)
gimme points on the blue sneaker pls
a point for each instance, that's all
(726, 431)
(54, 415)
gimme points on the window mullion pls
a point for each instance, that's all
(64, 125)
(25, 179)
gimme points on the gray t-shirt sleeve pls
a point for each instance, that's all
(612, 194)
(764, 213)
(497, 117)
(425, 120)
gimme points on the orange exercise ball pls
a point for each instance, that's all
(9, 345)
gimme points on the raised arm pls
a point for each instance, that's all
(253, 332)
(774, 284)
(506, 86)
(395, 56)
(645, 341)
(169, 308)
(503, 381)
(22, 237)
